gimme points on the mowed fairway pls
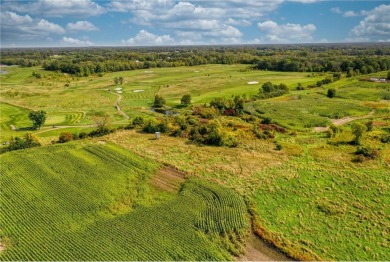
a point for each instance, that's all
(95, 202)
(12, 117)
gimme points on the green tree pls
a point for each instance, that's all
(358, 131)
(186, 100)
(159, 101)
(267, 87)
(331, 93)
(38, 118)
(388, 75)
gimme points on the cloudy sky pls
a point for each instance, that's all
(191, 22)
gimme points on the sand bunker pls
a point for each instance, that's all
(119, 92)
(148, 71)
(138, 90)
(196, 71)
(252, 82)
(118, 88)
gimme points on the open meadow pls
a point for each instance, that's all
(304, 190)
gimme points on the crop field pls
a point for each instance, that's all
(83, 201)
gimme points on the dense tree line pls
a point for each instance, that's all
(351, 58)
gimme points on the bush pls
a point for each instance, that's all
(186, 100)
(151, 126)
(368, 152)
(138, 121)
(17, 143)
(159, 101)
(65, 137)
(385, 138)
(266, 121)
(83, 135)
(331, 93)
(100, 132)
(278, 147)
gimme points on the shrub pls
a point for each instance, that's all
(266, 121)
(278, 147)
(358, 131)
(370, 125)
(138, 121)
(159, 101)
(368, 152)
(65, 137)
(83, 135)
(151, 126)
(100, 132)
(385, 138)
(331, 93)
(17, 143)
(186, 100)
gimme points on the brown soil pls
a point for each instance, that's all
(258, 250)
(168, 179)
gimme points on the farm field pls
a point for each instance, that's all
(100, 204)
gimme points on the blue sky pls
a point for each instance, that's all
(63, 23)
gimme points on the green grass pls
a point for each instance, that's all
(94, 202)
(310, 196)
(12, 115)
(339, 212)
(309, 110)
(61, 94)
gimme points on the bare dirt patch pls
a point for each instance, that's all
(342, 121)
(258, 250)
(168, 179)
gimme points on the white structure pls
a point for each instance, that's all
(157, 135)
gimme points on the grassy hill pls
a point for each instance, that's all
(96, 202)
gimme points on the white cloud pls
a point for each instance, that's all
(144, 38)
(76, 42)
(350, 14)
(81, 26)
(375, 26)
(238, 22)
(15, 27)
(286, 33)
(56, 8)
(46, 26)
(336, 10)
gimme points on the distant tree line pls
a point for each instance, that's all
(352, 59)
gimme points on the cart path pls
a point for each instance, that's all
(117, 105)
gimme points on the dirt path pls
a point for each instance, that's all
(258, 250)
(61, 127)
(342, 121)
(117, 105)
